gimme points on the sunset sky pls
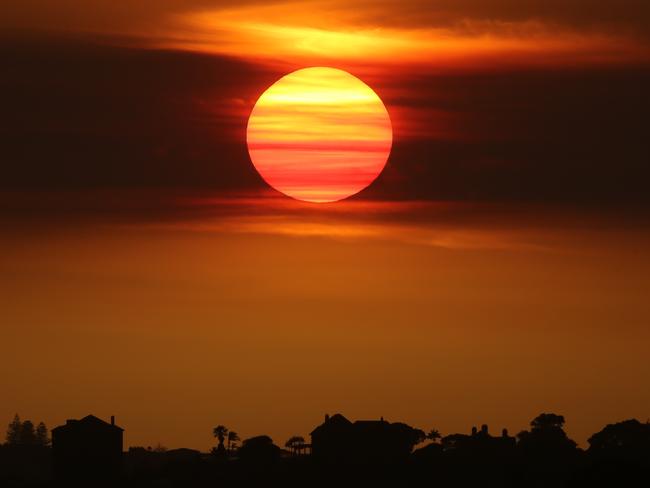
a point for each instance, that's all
(498, 267)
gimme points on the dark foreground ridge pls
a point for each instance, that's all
(89, 452)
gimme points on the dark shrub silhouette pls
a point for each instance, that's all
(619, 455)
(259, 451)
(546, 437)
(628, 439)
(548, 455)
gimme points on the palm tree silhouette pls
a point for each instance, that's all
(220, 432)
(433, 435)
(233, 437)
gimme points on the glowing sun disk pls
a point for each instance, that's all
(319, 135)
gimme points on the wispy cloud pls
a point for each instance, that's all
(449, 225)
(288, 32)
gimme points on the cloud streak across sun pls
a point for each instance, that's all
(319, 135)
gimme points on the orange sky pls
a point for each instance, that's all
(265, 328)
(497, 268)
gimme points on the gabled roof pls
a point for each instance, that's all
(335, 422)
(89, 421)
(337, 418)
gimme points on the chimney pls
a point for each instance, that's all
(327, 417)
(484, 429)
(473, 430)
(112, 419)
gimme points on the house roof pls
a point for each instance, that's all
(370, 426)
(89, 421)
(336, 421)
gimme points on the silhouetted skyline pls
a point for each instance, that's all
(90, 450)
(498, 266)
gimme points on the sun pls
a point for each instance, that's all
(319, 135)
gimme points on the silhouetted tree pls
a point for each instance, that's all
(42, 438)
(233, 438)
(433, 435)
(28, 433)
(295, 443)
(546, 434)
(454, 442)
(619, 455)
(404, 438)
(220, 432)
(626, 439)
(547, 421)
(159, 448)
(548, 453)
(14, 430)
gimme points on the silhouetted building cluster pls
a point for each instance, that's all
(89, 452)
(479, 440)
(339, 440)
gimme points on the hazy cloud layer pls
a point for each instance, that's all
(81, 115)
(115, 17)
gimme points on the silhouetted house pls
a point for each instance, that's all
(330, 440)
(87, 449)
(339, 440)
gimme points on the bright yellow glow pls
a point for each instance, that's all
(307, 32)
(319, 135)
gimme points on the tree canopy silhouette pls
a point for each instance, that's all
(24, 433)
(433, 435)
(547, 421)
(546, 434)
(233, 438)
(629, 438)
(220, 432)
(14, 431)
(259, 450)
(295, 443)
(42, 436)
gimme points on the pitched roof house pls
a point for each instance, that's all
(88, 448)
